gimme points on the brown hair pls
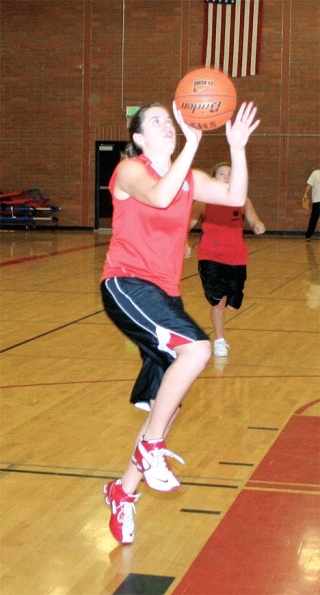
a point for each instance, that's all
(136, 125)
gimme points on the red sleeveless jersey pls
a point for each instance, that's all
(222, 238)
(148, 242)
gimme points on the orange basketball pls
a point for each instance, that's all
(206, 97)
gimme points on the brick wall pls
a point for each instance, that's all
(69, 68)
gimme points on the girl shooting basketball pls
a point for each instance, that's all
(152, 200)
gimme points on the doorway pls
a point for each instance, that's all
(108, 155)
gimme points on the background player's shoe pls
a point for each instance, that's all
(150, 458)
(122, 509)
(220, 348)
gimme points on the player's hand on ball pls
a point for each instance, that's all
(244, 124)
(189, 132)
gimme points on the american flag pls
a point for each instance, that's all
(232, 33)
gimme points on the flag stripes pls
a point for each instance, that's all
(232, 34)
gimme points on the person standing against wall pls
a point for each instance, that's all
(313, 184)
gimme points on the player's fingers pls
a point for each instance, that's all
(241, 110)
(254, 126)
(249, 113)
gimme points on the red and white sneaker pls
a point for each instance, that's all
(150, 458)
(122, 508)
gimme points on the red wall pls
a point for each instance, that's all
(70, 67)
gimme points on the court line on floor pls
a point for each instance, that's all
(198, 511)
(12, 469)
(289, 281)
(79, 472)
(299, 488)
(92, 314)
(58, 328)
(51, 254)
(203, 377)
(110, 380)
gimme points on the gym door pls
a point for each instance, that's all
(108, 154)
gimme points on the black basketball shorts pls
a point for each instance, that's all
(220, 279)
(154, 321)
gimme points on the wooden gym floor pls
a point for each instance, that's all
(246, 518)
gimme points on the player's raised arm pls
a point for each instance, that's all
(238, 133)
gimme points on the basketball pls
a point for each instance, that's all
(206, 98)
